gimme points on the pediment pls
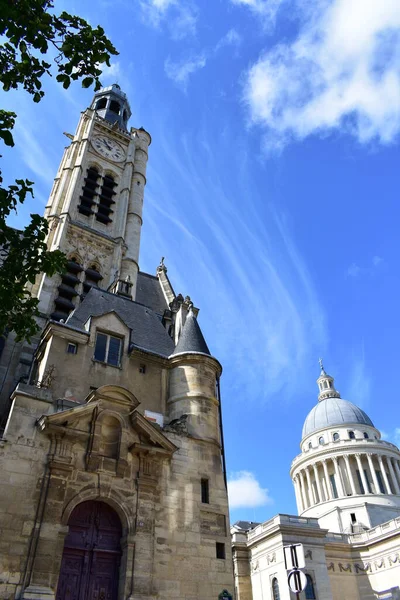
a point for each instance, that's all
(151, 437)
(83, 421)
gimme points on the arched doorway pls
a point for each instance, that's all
(92, 553)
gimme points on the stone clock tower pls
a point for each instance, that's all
(95, 217)
(95, 206)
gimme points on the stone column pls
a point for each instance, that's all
(310, 489)
(393, 475)
(303, 490)
(373, 473)
(338, 478)
(385, 478)
(327, 480)
(350, 474)
(296, 493)
(362, 474)
(316, 475)
(397, 469)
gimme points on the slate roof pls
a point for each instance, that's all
(149, 293)
(191, 338)
(334, 411)
(147, 330)
(245, 525)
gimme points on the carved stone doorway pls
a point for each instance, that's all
(92, 553)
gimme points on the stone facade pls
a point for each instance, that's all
(113, 479)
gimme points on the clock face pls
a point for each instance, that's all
(108, 148)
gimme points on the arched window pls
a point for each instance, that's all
(309, 591)
(102, 103)
(104, 208)
(275, 589)
(366, 436)
(352, 435)
(321, 441)
(115, 107)
(309, 445)
(335, 437)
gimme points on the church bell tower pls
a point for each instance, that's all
(95, 206)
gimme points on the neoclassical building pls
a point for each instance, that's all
(347, 486)
(111, 459)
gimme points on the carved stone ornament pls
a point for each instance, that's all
(271, 558)
(394, 560)
(346, 568)
(308, 554)
(178, 426)
(331, 567)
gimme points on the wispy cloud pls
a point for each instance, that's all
(179, 15)
(245, 491)
(180, 71)
(260, 296)
(340, 73)
(359, 388)
(355, 270)
(267, 9)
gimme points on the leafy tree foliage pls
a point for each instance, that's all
(36, 43)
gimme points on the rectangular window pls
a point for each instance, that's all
(220, 550)
(72, 349)
(360, 483)
(205, 492)
(333, 484)
(108, 349)
(380, 482)
(353, 518)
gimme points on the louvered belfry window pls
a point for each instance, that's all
(106, 202)
(89, 192)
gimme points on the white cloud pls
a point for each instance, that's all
(244, 491)
(377, 260)
(112, 72)
(180, 71)
(180, 15)
(341, 72)
(353, 270)
(263, 8)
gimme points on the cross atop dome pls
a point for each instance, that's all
(326, 385)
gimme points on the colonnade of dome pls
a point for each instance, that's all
(347, 474)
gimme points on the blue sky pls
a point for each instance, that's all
(273, 188)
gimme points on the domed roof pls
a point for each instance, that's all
(331, 409)
(334, 411)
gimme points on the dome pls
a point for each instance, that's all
(334, 411)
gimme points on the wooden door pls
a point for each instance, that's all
(92, 552)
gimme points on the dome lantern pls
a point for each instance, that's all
(326, 385)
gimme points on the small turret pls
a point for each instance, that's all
(111, 104)
(192, 383)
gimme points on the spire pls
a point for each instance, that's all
(111, 104)
(326, 385)
(191, 338)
